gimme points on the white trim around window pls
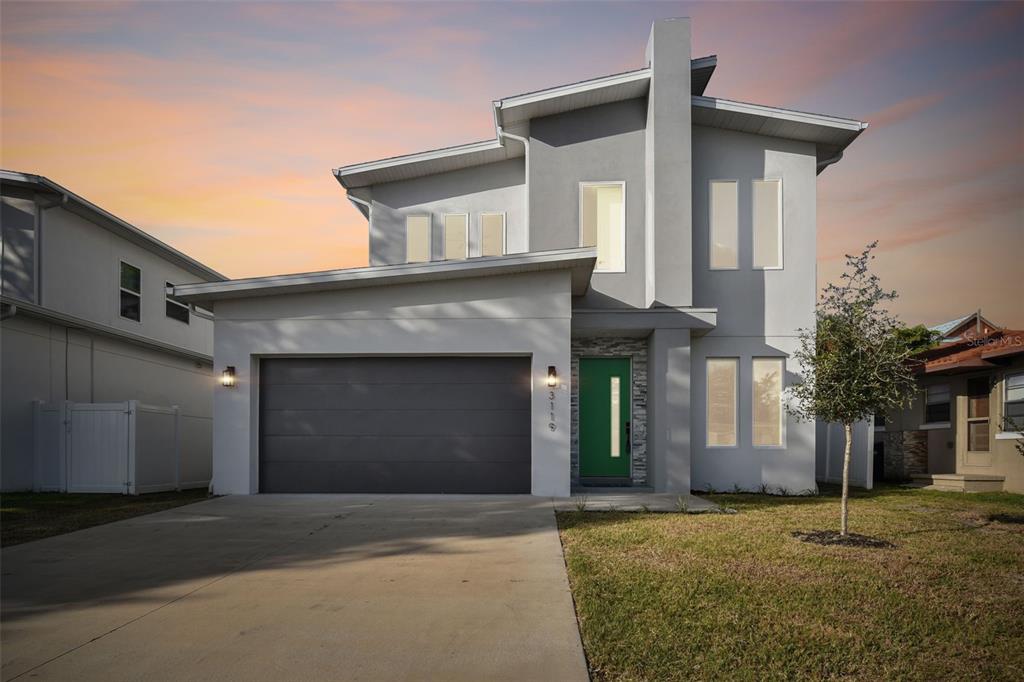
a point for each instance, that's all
(456, 236)
(708, 430)
(504, 232)
(127, 290)
(732, 226)
(620, 266)
(416, 249)
(754, 221)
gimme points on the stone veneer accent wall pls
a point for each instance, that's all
(613, 347)
(906, 453)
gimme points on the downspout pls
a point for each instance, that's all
(526, 175)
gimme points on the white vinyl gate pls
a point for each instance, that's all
(126, 447)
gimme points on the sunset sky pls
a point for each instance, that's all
(215, 125)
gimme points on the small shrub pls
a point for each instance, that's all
(681, 506)
(581, 503)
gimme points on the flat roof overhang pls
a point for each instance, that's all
(579, 263)
(640, 322)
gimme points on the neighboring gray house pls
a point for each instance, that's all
(608, 293)
(86, 318)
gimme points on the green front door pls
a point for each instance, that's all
(605, 389)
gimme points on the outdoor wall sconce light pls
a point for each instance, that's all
(552, 377)
(227, 377)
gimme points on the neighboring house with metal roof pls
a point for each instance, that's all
(607, 293)
(974, 325)
(86, 318)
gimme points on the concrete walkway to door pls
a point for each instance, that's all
(313, 587)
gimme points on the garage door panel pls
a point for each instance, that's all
(395, 424)
(380, 477)
(395, 449)
(401, 370)
(396, 396)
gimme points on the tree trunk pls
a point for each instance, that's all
(844, 521)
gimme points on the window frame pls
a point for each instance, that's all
(120, 289)
(171, 300)
(948, 402)
(735, 403)
(444, 235)
(986, 420)
(430, 236)
(753, 230)
(504, 232)
(782, 411)
(1006, 393)
(622, 232)
(711, 225)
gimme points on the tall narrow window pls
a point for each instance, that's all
(492, 234)
(767, 382)
(1013, 402)
(977, 414)
(767, 197)
(417, 238)
(456, 236)
(616, 403)
(131, 292)
(175, 309)
(721, 407)
(603, 223)
(936, 404)
(723, 219)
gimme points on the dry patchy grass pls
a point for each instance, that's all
(677, 596)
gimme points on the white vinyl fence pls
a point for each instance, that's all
(126, 447)
(830, 442)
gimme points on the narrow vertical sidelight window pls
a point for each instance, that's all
(417, 238)
(456, 236)
(767, 196)
(131, 292)
(767, 409)
(603, 223)
(724, 225)
(616, 426)
(492, 234)
(721, 398)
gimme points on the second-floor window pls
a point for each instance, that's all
(456, 236)
(131, 292)
(175, 309)
(492, 234)
(603, 223)
(417, 238)
(724, 223)
(767, 198)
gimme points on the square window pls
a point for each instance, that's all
(492, 234)
(417, 239)
(456, 236)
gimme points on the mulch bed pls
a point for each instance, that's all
(831, 537)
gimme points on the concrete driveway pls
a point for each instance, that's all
(282, 587)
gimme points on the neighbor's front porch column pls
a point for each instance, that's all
(668, 405)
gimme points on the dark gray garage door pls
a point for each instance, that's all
(395, 425)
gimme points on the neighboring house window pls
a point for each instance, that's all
(721, 407)
(131, 292)
(767, 412)
(1013, 402)
(417, 238)
(492, 234)
(176, 310)
(936, 404)
(456, 236)
(724, 221)
(767, 198)
(603, 223)
(977, 414)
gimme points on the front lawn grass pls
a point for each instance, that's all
(735, 596)
(33, 516)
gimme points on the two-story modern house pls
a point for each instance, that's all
(86, 318)
(607, 293)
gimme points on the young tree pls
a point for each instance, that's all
(856, 363)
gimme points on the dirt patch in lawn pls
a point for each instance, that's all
(831, 537)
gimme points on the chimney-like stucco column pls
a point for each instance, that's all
(668, 410)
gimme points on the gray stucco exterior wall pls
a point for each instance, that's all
(668, 404)
(495, 187)
(602, 143)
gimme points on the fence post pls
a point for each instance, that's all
(132, 410)
(177, 447)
